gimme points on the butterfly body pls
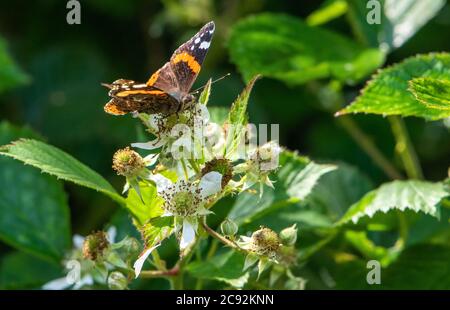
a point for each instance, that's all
(167, 90)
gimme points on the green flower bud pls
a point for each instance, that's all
(228, 227)
(117, 281)
(95, 245)
(288, 235)
(128, 163)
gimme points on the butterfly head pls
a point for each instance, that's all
(187, 101)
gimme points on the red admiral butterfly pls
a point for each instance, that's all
(167, 90)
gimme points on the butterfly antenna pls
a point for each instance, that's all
(216, 80)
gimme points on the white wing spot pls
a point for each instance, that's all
(197, 40)
(204, 45)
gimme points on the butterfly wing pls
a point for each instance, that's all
(177, 76)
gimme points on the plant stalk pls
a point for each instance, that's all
(369, 147)
(405, 148)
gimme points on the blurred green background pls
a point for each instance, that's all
(60, 97)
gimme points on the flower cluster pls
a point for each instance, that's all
(198, 162)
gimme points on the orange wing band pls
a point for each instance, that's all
(140, 91)
(189, 59)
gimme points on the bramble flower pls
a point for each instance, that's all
(262, 161)
(181, 138)
(132, 166)
(95, 255)
(186, 201)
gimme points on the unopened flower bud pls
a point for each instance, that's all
(127, 162)
(117, 281)
(288, 235)
(221, 165)
(228, 227)
(94, 245)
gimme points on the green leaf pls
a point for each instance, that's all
(432, 93)
(10, 74)
(401, 195)
(399, 20)
(293, 182)
(327, 12)
(22, 271)
(238, 118)
(338, 190)
(147, 209)
(157, 229)
(34, 215)
(204, 96)
(285, 48)
(387, 92)
(53, 161)
(225, 267)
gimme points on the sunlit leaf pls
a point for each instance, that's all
(431, 92)
(418, 196)
(56, 162)
(387, 92)
(399, 20)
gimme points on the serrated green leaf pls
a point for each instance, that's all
(285, 48)
(147, 209)
(34, 215)
(238, 118)
(399, 20)
(431, 92)
(387, 92)
(225, 267)
(293, 182)
(10, 74)
(53, 161)
(398, 195)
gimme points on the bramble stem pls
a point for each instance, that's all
(369, 147)
(160, 273)
(219, 237)
(405, 148)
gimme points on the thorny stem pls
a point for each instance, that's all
(405, 148)
(369, 147)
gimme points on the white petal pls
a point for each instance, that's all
(57, 284)
(188, 234)
(210, 184)
(78, 241)
(162, 183)
(126, 187)
(151, 159)
(150, 145)
(111, 233)
(141, 260)
(86, 280)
